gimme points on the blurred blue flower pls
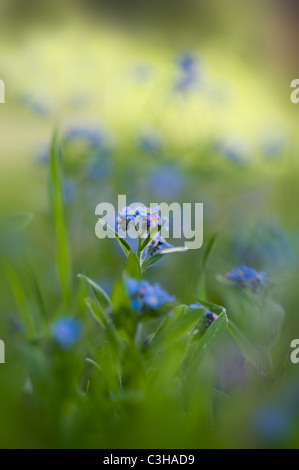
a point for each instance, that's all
(35, 104)
(66, 332)
(92, 136)
(43, 155)
(272, 424)
(188, 72)
(100, 166)
(146, 296)
(243, 276)
(196, 306)
(273, 144)
(265, 244)
(149, 142)
(165, 181)
(233, 148)
(69, 190)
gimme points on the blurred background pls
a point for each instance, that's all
(161, 101)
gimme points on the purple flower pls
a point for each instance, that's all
(66, 332)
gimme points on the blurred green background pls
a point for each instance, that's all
(161, 101)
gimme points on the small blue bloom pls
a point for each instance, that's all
(234, 148)
(127, 215)
(273, 144)
(188, 73)
(43, 155)
(196, 306)
(93, 137)
(157, 244)
(165, 181)
(146, 296)
(272, 424)
(243, 276)
(66, 332)
(69, 190)
(149, 142)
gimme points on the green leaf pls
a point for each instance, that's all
(218, 309)
(132, 268)
(206, 256)
(25, 313)
(123, 243)
(153, 259)
(273, 317)
(118, 296)
(39, 301)
(249, 351)
(212, 335)
(15, 223)
(100, 294)
(209, 249)
(178, 327)
(62, 244)
(96, 312)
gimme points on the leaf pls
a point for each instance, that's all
(208, 251)
(104, 321)
(206, 256)
(273, 317)
(218, 309)
(118, 296)
(249, 351)
(176, 313)
(39, 301)
(177, 328)
(25, 313)
(132, 268)
(153, 259)
(211, 336)
(95, 312)
(123, 243)
(62, 245)
(15, 223)
(100, 294)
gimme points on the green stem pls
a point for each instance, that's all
(139, 248)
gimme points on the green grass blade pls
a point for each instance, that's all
(62, 243)
(100, 294)
(25, 313)
(123, 243)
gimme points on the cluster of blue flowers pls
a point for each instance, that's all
(243, 276)
(143, 218)
(145, 296)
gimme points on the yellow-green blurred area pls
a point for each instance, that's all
(175, 101)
